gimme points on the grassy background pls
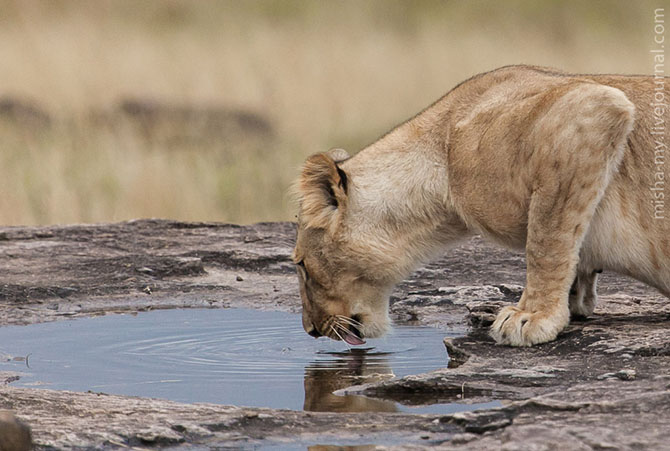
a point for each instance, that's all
(307, 76)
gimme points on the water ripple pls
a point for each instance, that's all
(228, 356)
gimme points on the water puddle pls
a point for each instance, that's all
(223, 356)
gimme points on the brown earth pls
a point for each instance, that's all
(603, 384)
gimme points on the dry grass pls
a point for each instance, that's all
(324, 74)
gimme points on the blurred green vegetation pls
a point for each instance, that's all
(233, 95)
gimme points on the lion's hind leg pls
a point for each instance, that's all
(583, 293)
(579, 144)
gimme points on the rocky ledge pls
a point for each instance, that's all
(603, 384)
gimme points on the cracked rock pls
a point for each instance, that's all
(602, 384)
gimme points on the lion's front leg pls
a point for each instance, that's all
(552, 252)
(580, 144)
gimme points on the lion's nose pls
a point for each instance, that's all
(314, 333)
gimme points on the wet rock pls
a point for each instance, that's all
(14, 435)
(482, 422)
(158, 435)
(112, 267)
(602, 384)
(624, 375)
(179, 266)
(64, 419)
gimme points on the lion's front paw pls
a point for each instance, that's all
(517, 327)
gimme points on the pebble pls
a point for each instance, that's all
(624, 375)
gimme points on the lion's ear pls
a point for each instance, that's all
(338, 155)
(322, 189)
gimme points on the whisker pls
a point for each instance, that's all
(337, 333)
(341, 327)
(344, 330)
(328, 323)
(349, 320)
(343, 322)
(349, 328)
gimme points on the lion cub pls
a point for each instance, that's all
(562, 165)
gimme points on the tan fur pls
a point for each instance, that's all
(555, 163)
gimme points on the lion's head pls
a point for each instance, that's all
(343, 296)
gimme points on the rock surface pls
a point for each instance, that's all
(604, 383)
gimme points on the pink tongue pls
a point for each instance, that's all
(353, 340)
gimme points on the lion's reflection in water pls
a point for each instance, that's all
(353, 367)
